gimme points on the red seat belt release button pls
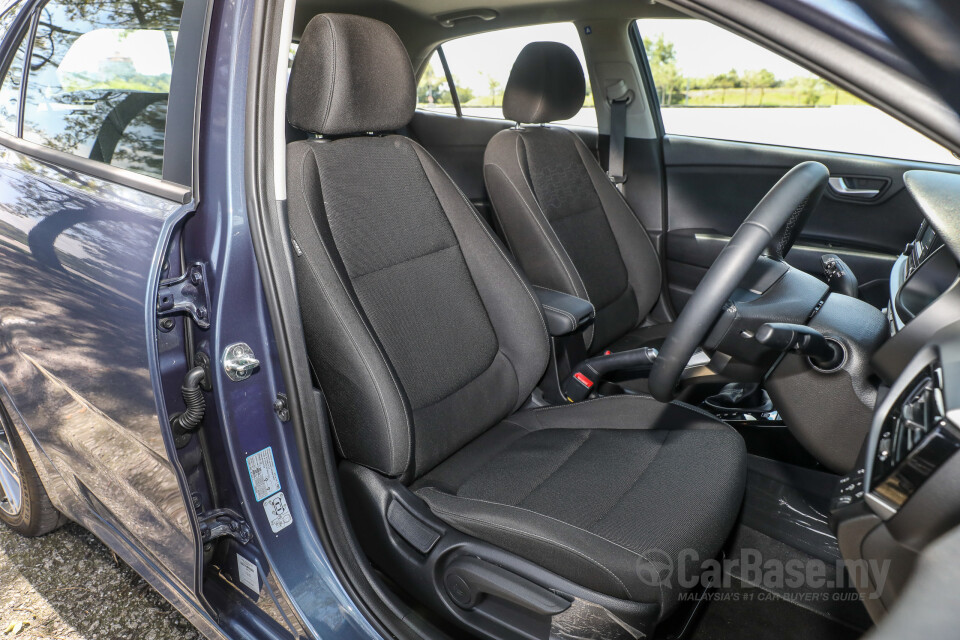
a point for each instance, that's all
(584, 380)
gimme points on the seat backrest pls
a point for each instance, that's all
(565, 223)
(421, 329)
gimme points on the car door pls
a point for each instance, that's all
(460, 95)
(735, 117)
(95, 172)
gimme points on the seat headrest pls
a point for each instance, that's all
(546, 84)
(350, 75)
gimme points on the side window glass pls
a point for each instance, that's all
(10, 89)
(99, 80)
(433, 92)
(481, 64)
(715, 84)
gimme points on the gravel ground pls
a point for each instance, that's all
(68, 586)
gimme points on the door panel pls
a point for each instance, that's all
(76, 258)
(712, 185)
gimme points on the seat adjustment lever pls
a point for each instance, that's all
(469, 579)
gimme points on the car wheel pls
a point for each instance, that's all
(24, 505)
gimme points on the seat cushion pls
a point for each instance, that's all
(606, 493)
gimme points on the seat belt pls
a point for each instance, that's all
(618, 95)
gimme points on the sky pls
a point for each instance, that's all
(147, 49)
(702, 50)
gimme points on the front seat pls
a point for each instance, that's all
(427, 341)
(565, 223)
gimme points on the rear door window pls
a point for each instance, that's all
(433, 92)
(480, 66)
(99, 80)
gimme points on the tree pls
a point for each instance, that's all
(810, 90)
(667, 78)
(724, 81)
(433, 88)
(762, 79)
(494, 86)
(464, 93)
(660, 51)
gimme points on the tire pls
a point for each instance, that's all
(32, 514)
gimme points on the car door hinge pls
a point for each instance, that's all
(219, 523)
(186, 294)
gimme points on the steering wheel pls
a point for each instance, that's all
(773, 225)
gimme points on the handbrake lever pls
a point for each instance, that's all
(586, 375)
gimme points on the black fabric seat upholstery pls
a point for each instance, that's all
(565, 223)
(595, 491)
(427, 340)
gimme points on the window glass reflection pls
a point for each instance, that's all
(99, 80)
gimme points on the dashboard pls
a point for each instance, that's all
(906, 490)
(924, 271)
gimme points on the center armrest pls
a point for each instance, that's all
(565, 314)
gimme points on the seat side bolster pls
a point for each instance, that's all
(637, 250)
(542, 257)
(374, 425)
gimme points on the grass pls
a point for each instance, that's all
(773, 97)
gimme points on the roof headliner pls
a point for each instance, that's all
(416, 24)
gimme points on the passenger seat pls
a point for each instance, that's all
(562, 218)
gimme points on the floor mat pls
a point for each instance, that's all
(790, 504)
(783, 532)
(742, 612)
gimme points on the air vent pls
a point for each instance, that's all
(915, 440)
(920, 411)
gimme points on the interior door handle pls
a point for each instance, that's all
(839, 185)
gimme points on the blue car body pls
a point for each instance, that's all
(89, 381)
(92, 364)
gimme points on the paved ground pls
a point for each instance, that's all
(68, 586)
